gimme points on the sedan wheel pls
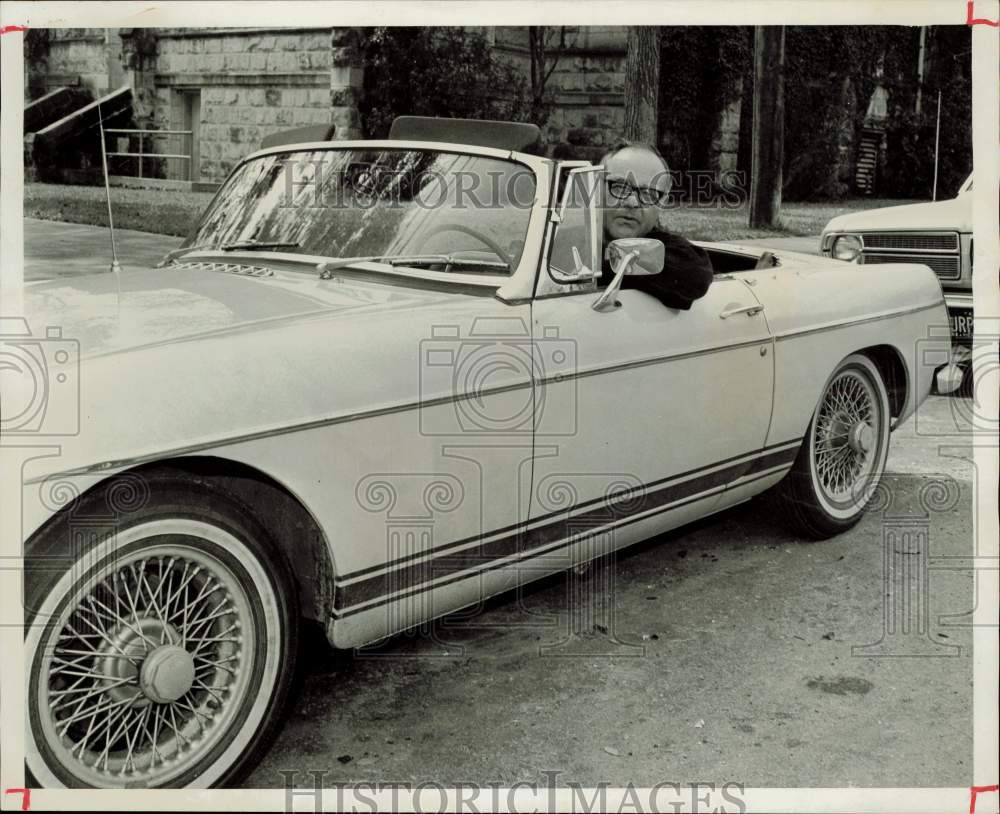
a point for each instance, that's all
(160, 658)
(843, 455)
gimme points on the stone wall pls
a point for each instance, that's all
(586, 88)
(88, 58)
(725, 146)
(251, 82)
(236, 86)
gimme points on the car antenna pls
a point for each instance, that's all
(115, 267)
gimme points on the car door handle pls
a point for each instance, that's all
(749, 310)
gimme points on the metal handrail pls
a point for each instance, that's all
(152, 155)
(148, 133)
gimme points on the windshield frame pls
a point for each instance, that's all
(514, 287)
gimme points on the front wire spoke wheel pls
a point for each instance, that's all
(157, 662)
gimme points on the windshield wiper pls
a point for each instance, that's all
(411, 260)
(248, 245)
(172, 255)
(257, 245)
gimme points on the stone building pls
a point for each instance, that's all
(228, 88)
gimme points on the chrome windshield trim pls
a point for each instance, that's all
(384, 144)
(516, 287)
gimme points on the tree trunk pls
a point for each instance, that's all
(642, 83)
(768, 125)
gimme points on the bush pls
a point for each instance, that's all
(691, 97)
(909, 166)
(447, 72)
(830, 75)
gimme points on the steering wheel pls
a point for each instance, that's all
(467, 230)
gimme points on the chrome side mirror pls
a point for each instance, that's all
(629, 255)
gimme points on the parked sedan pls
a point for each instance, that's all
(936, 234)
(357, 397)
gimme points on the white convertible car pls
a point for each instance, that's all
(379, 382)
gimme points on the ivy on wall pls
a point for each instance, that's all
(36, 46)
(830, 75)
(448, 72)
(702, 69)
(139, 48)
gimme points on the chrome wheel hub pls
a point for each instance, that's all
(861, 437)
(845, 439)
(167, 674)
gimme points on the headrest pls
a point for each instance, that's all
(300, 135)
(518, 136)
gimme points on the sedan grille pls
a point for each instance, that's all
(939, 250)
(919, 241)
(944, 266)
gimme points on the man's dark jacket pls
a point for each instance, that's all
(686, 275)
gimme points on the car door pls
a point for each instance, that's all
(645, 413)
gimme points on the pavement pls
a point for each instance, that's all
(56, 249)
(731, 650)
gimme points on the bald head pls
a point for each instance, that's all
(635, 175)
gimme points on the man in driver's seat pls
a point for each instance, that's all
(638, 182)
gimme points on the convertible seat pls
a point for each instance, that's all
(299, 135)
(518, 136)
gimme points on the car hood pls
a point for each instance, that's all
(108, 313)
(953, 214)
(179, 359)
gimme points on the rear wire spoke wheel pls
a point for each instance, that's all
(164, 659)
(842, 458)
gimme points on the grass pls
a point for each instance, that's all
(797, 219)
(163, 212)
(170, 212)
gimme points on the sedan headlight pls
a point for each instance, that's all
(846, 247)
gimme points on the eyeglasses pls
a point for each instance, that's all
(622, 190)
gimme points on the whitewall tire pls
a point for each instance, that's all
(160, 655)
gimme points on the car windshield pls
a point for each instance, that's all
(450, 211)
